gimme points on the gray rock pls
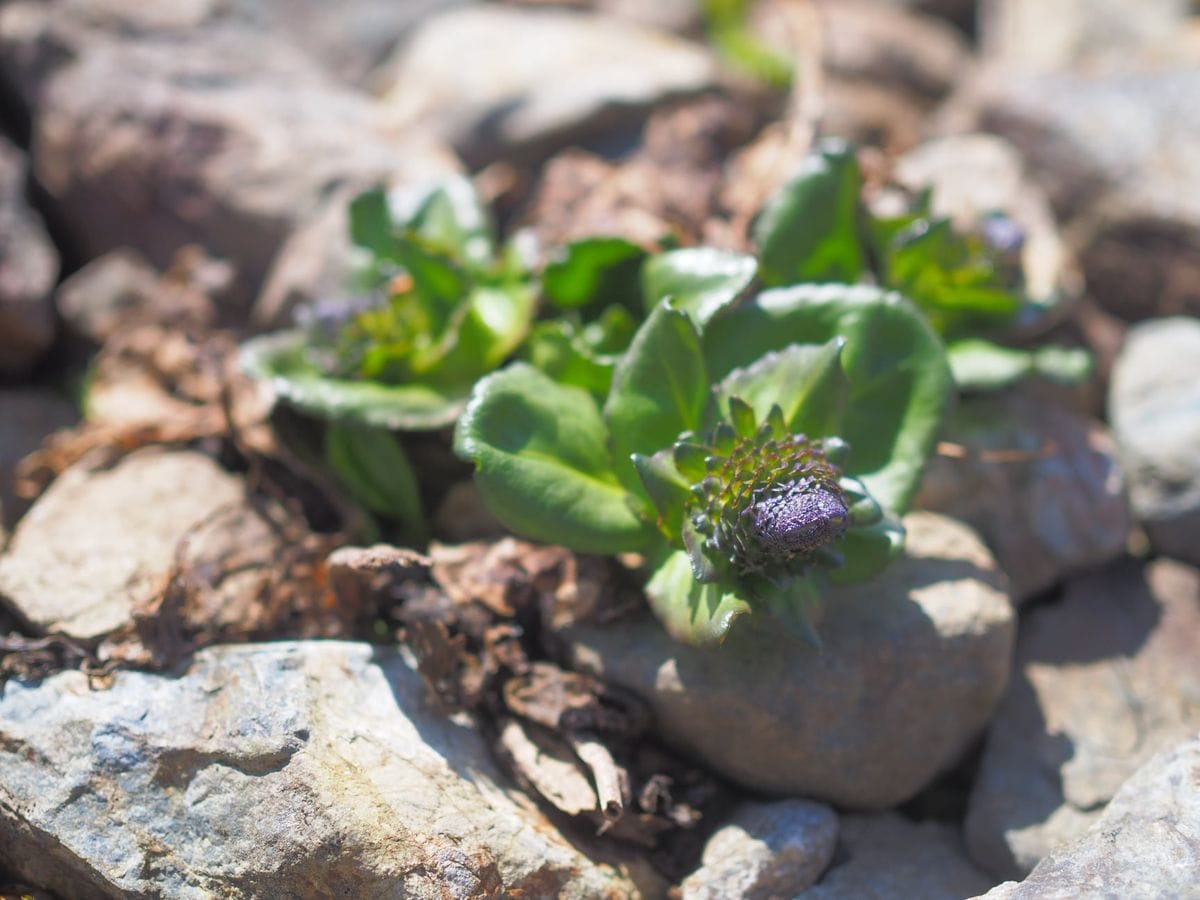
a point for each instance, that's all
(972, 175)
(215, 134)
(1057, 508)
(911, 667)
(28, 269)
(101, 541)
(1104, 679)
(885, 856)
(281, 770)
(765, 850)
(1146, 845)
(95, 300)
(30, 415)
(538, 79)
(1154, 406)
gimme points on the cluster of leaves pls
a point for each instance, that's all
(810, 372)
(969, 285)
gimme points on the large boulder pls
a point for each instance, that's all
(911, 667)
(282, 770)
(1103, 680)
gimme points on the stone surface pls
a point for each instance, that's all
(911, 667)
(101, 541)
(1145, 845)
(28, 269)
(1154, 407)
(96, 299)
(215, 134)
(1103, 679)
(975, 174)
(765, 850)
(886, 856)
(29, 415)
(1056, 507)
(538, 79)
(281, 770)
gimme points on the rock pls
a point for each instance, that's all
(1154, 406)
(1059, 506)
(911, 667)
(1146, 844)
(765, 850)
(289, 769)
(101, 541)
(972, 175)
(539, 78)
(1032, 36)
(217, 135)
(1103, 679)
(885, 856)
(28, 269)
(96, 299)
(1113, 146)
(29, 414)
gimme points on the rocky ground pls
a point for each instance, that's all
(211, 684)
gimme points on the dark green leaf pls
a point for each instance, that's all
(375, 470)
(867, 551)
(594, 271)
(899, 381)
(808, 231)
(692, 612)
(542, 463)
(660, 390)
(701, 280)
(667, 489)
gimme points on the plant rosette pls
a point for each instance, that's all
(752, 455)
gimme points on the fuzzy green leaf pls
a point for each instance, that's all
(701, 281)
(660, 390)
(867, 551)
(899, 380)
(808, 231)
(282, 360)
(542, 466)
(980, 365)
(667, 489)
(692, 612)
(805, 381)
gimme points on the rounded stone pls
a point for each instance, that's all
(911, 667)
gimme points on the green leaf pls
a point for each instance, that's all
(660, 390)
(593, 271)
(542, 465)
(899, 380)
(282, 360)
(491, 325)
(667, 489)
(867, 551)
(805, 381)
(449, 217)
(808, 231)
(557, 349)
(692, 612)
(701, 281)
(980, 365)
(374, 468)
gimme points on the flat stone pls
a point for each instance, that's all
(1154, 406)
(28, 269)
(1103, 680)
(538, 79)
(886, 856)
(95, 300)
(101, 541)
(1056, 507)
(912, 665)
(279, 770)
(1146, 844)
(765, 850)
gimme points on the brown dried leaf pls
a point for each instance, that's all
(547, 765)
